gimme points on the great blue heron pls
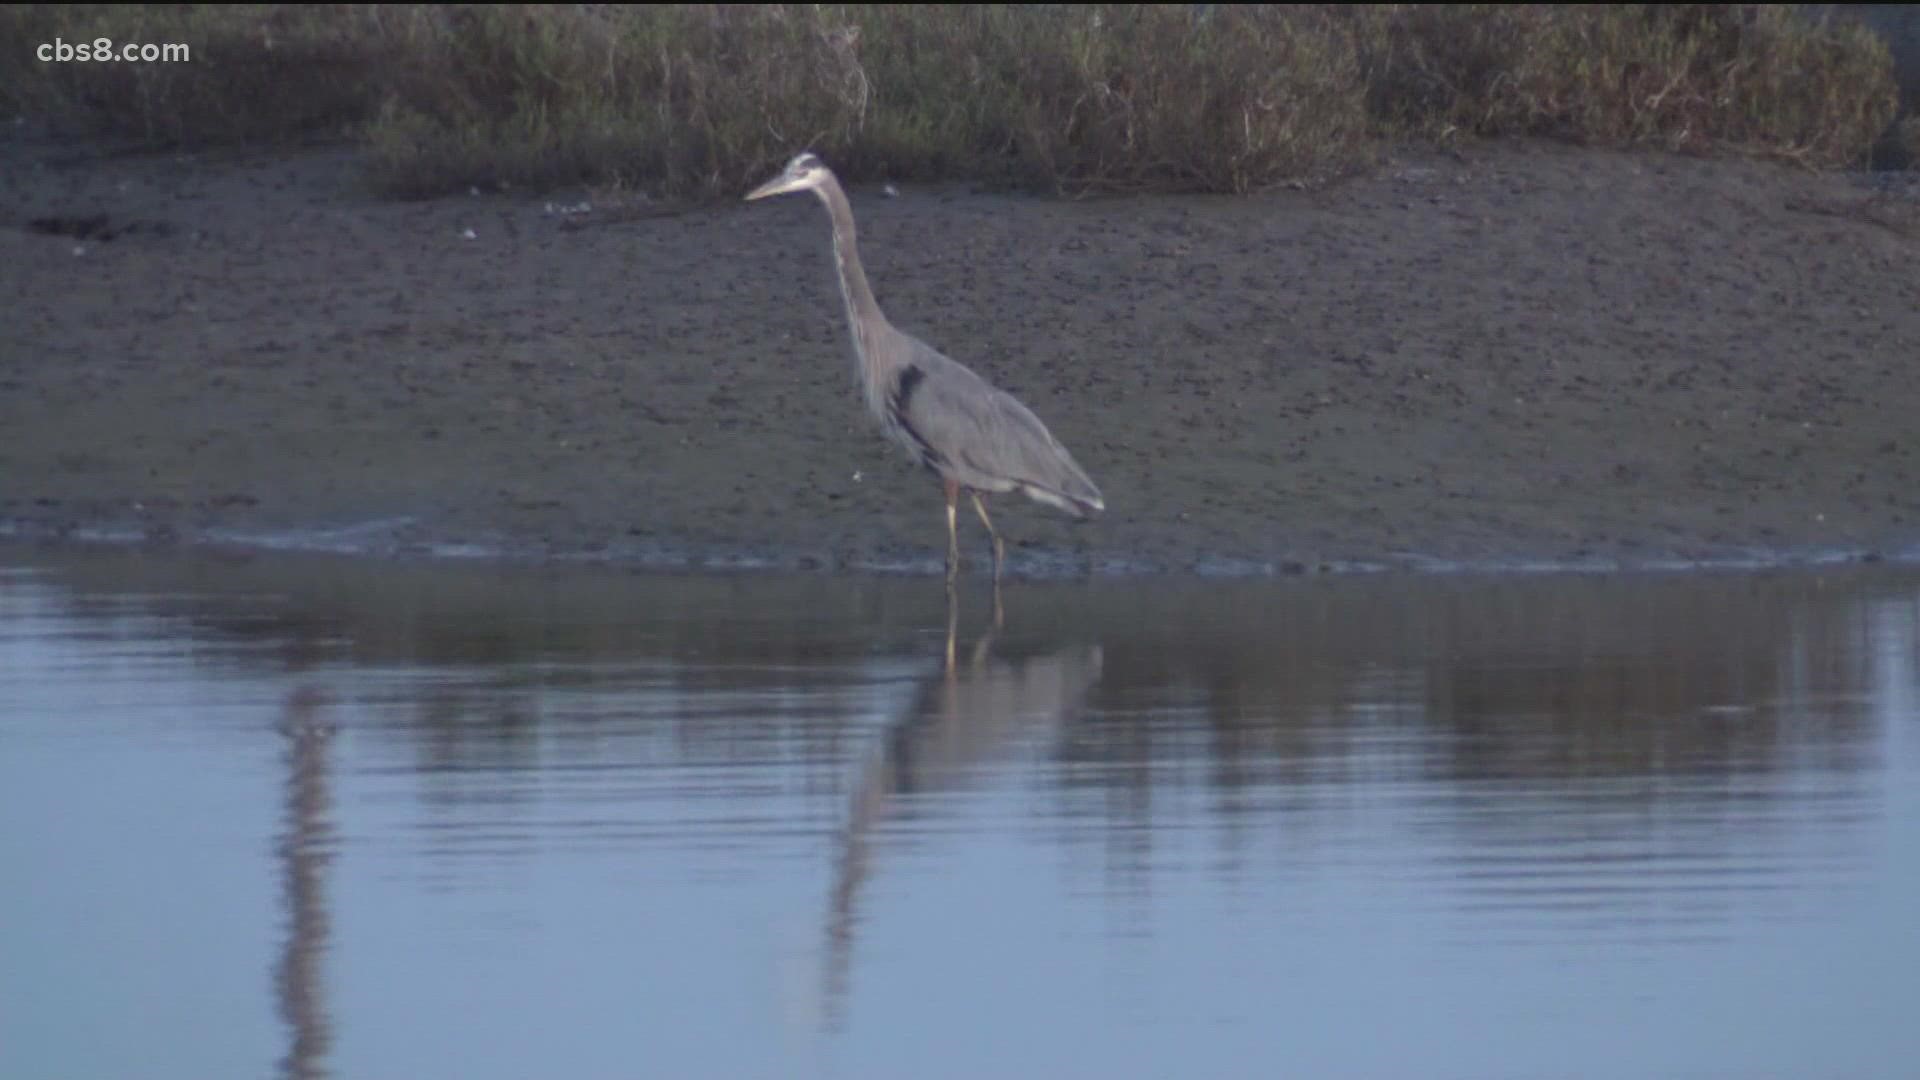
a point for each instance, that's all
(976, 438)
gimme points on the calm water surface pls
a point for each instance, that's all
(313, 818)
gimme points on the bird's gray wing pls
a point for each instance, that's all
(983, 432)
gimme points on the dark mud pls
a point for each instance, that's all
(1531, 355)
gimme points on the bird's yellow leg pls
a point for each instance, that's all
(953, 533)
(999, 548)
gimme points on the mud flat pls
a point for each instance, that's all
(1530, 354)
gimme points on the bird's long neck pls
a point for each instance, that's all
(861, 307)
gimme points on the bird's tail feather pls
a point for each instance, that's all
(1077, 505)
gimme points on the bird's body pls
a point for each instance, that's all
(964, 429)
(974, 436)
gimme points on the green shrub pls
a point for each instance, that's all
(257, 71)
(1748, 78)
(700, 100)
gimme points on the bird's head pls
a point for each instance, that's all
(804, 173)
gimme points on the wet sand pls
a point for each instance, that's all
(1526, 354)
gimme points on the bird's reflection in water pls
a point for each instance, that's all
(978, 710)
(305, 849)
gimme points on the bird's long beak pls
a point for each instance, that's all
(779, 185)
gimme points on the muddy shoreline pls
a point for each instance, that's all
(1526, 356)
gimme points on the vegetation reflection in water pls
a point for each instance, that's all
(1655, 763)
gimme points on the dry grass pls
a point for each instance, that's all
(701, 100)
(257, 71)
(1745, 78)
